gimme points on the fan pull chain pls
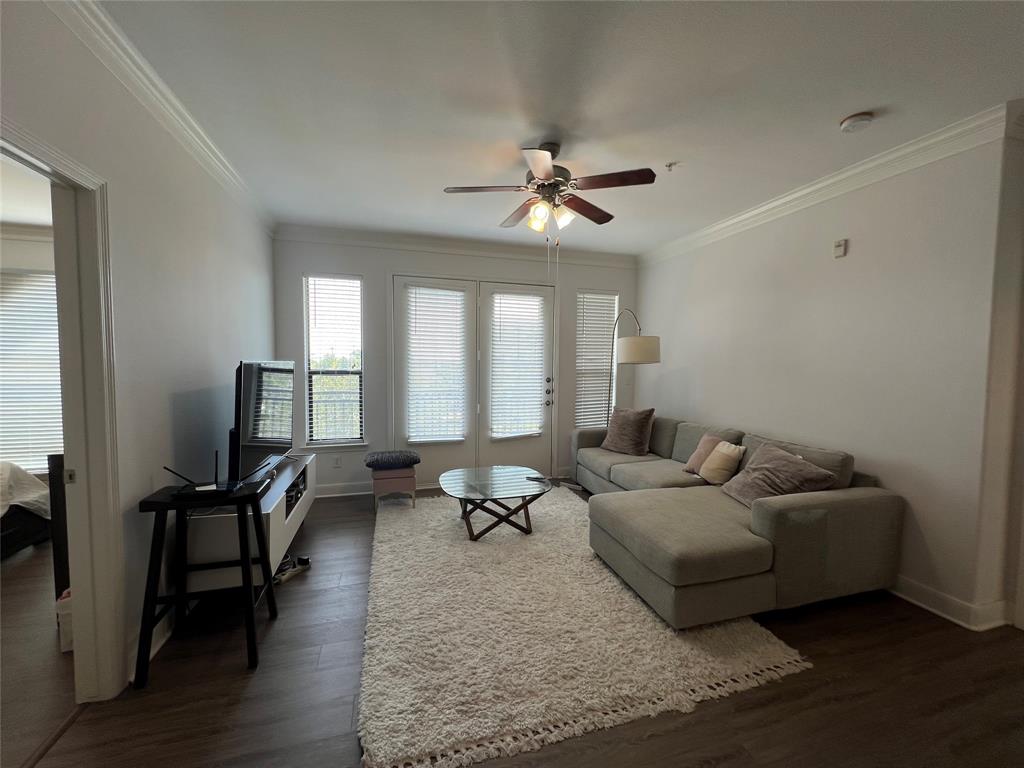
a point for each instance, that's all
(557, 240)
(547, 239)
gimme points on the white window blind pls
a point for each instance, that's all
(517, 365)
(436, 364)
(595, 317)
(30, 410)
(272, 412)
(334, 339)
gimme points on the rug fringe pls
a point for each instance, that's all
(529, 741)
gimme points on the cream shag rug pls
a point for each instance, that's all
(481, 649)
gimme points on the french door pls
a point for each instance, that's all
(473, 373)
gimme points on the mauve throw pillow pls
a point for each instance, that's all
(772, 471)
(700, 454)
(629, 431)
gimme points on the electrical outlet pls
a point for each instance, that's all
(840, 248)
(337, 461)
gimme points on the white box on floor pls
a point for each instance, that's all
(64, 626)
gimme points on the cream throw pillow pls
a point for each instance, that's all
(721, 465)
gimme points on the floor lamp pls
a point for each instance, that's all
(631, 350)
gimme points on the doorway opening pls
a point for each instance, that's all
(36, 627)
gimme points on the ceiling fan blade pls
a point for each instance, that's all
(620, 179)
(519, 213)
(587, 210)
(485, 189)
(539, 161)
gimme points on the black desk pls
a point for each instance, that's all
(245, 500)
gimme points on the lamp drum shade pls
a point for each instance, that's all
(638, 349)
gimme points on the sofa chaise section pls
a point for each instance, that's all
(691, 554)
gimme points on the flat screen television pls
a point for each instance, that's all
(263, 417)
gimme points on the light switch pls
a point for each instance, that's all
(840, 248)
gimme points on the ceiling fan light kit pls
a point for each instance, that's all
(553, 189)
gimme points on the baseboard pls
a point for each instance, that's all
(330, 490)
(334, 490)
(968, 615)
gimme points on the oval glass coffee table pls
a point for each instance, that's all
(483, 488)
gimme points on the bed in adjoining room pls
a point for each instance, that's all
(31, 514)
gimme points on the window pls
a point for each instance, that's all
(517, 365)
(30, 409)
(272, 414)
(334, 340)
(436, 364)
(595, 318)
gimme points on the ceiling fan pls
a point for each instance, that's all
(553, 191)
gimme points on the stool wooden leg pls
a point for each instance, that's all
(261, 545)
(156, 558)
(180, 567)
(245, 556)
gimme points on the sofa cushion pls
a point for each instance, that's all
(664, 473)
(685, 535)
(837, 462)
(663, 436)
(629, 431)
(600, 461)
(688, 435)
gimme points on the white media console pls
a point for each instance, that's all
(213, 534)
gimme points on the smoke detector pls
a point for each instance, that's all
(856, 122)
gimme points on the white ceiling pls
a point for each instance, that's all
(358, 114)
(24, 195)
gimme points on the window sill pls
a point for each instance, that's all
(333, 447)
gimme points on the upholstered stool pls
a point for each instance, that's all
(393, 472)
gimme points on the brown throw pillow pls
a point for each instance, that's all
(722, 463)
(700, 454)
(629, 431)
(772, 471)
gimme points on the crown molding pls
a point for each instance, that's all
(39, 233)
(101, 35)
(961, 136)
(413, 243)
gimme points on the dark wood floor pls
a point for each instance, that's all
(38, 681)
(892, 686)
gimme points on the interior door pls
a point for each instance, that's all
(435, 373)
(516, 388)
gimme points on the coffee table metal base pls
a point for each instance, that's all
(469, 506)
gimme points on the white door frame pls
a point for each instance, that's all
(95, 527)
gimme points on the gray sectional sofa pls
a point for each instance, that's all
(696, 555)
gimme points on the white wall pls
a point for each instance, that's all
(883, 353)
(191, 265)
(299, 251)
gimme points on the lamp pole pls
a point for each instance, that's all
(611, 363)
